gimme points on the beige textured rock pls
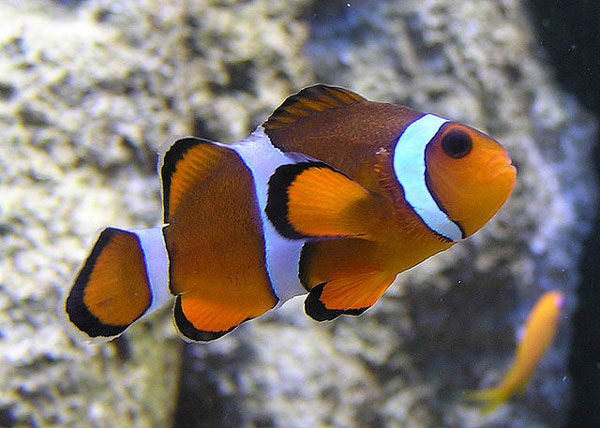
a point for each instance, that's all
(90, 90)
(88, 93)
(475, 62)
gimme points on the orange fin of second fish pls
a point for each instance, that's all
(349, 295)
(311, 199)
(201, 321)
(492, 397)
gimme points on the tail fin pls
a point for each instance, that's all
(491, 397)
(116, 284)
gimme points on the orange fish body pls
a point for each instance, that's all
(333, 196)
(539, 332)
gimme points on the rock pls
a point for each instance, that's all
(89, 91)
(478, 65)
(451, 323)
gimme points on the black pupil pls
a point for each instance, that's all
(457, 144)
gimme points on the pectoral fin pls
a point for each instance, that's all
(312, 200)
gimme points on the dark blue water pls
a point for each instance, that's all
(569, 32)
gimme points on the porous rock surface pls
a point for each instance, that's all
(90, 90)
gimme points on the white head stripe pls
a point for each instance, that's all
(157, 265)
(409, 167)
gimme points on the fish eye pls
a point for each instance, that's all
(457, 144)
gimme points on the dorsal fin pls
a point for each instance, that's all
(312, 99)
(187, 162)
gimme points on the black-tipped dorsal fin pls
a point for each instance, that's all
(312, 99)
(187, 162)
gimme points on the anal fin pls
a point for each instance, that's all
(312, 199)
(199, 320)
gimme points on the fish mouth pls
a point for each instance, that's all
(499, 167)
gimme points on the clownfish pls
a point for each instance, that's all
(540, 329)
(333, 195)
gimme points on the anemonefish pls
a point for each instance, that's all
(539, 332)
(333, 196)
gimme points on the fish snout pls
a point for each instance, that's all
(498, 167)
